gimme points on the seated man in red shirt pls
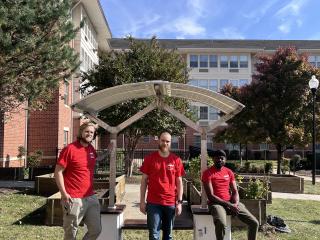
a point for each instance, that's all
(218, 181)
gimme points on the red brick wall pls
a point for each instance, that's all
(12, 135)
(43, 130)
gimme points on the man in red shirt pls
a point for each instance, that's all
(162, 175)
(218, 181)
(74, 177)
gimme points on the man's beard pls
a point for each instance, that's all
(164, 149)
(218, 165)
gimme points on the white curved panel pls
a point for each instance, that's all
(115, 95)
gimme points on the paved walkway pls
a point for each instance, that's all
(134, 218)
(296, 196)
(16, 184)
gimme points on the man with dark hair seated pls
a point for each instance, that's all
(218, 182)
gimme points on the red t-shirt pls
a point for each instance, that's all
(79, 163)
(221, 180)
(162, 173)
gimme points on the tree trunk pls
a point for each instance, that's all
(130, 163)
(279, 157)
(130, 147)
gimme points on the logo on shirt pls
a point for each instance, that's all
(170, 166)
(226, 177)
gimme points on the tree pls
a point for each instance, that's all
(34, 51)
(143, 61)
(277, 102)
(242, 129)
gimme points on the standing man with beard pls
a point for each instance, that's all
(74, 177)
(218, 181)
(162, 175)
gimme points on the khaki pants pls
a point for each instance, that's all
(220, 221)
(86, 209)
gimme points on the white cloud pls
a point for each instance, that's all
(197, 7)
(290, 16)
(228, 33)
(259, 11)
(186, 26)
(285, 27)
(292, 8)
(186, 23)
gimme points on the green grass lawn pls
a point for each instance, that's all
(311, 189)
(21, 219)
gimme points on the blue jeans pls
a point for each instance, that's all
(160, 217)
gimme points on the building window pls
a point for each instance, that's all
(213, 85)
(203, 61)
(197, 141)
(203, 113)
(203, 83)
(210, 142)
(194, 61)
(243, 61)
(234, 62)
(213, 113)
(234, 83)
(233, 146)
(314, 61)
(175, 142)
(264, 146)
(65, 137)
(243, 82)
(146, 139)
(223, 61)
(66, 92)
(223, 82)
(193, 83)
(213, 61)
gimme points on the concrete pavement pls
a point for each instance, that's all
(299, 196)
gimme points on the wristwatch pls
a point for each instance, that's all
(180, 201)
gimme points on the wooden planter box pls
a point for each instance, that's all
(54, 213)
(257, 207)
(45, 185)
(281, 183)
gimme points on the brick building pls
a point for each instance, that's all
(53, 128)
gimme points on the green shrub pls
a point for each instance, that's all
(294, 162)
(231, 166)
(256, 189)
(194, 169)
(247, 166)
(285, 163)
(254, 169)
(268, 167)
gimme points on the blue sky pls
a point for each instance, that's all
(214, 19)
